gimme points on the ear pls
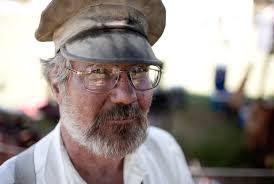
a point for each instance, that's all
(55, 88)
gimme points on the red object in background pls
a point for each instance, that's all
(32, 109)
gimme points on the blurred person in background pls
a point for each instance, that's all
(264, 20)
(259, 131)
(259, 126)
(102, 76)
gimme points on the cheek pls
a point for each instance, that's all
(86, 104)
(145, 99)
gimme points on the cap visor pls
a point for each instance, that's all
(110, 47)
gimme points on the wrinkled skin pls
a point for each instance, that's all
(83, 107)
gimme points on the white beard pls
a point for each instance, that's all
(100, 143)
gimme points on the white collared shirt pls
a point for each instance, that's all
(158, 161)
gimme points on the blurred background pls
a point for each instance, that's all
(215, 97)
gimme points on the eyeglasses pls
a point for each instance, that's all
(100, 78)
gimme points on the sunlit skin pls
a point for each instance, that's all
(94, 168)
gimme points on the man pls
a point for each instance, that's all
(102, 76)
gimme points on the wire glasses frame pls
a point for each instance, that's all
(100, 79)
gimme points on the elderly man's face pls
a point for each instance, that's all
(112, 124)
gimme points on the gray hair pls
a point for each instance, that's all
(53, 69)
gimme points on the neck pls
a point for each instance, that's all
(92, 168)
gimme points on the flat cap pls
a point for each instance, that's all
(127, 28)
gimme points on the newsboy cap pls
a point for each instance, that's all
(105, 31)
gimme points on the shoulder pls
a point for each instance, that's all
(162, 140)
(7, 171)
(162, 146)
(165, 153)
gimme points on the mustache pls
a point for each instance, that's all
(120, 112)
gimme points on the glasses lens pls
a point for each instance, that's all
(101, 78)
(145, 77)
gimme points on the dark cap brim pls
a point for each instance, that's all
(110, 47)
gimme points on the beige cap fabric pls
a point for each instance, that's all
(60, 11)
(63, 20)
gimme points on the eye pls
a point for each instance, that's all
(139, 72)
(139, 69)
(98, 71)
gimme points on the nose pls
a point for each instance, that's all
(123, 93)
